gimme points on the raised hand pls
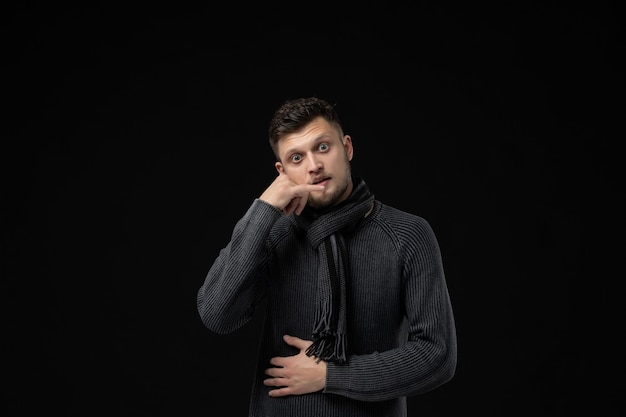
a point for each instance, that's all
(288, 196)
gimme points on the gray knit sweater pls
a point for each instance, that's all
(401, 331)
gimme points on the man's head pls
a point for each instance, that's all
(293, 115)
(310, 147)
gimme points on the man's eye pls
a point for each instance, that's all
(296, 158)
(323, 146)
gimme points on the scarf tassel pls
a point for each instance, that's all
(328, 347)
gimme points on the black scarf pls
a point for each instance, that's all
(325, 232)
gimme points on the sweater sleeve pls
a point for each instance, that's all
(226, 299)
(428, 358)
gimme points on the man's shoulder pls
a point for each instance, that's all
(395, 214)
(400, 221)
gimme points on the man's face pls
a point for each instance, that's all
(318, 154)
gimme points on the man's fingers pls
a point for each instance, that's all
(273, 372)
(278, 361)
(301, 196)
(301, 203)
(296, 342)
(307, 188)
(280, 392)
(276, 381)
(292, 205)
(302, 192)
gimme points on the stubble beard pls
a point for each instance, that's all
(326, 199)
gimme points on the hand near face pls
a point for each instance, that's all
(288, 196)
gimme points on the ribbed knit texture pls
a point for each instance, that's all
(400, 321)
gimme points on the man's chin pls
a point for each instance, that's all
(321, 203)
(318, 203)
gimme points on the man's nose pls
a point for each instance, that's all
(314, 164)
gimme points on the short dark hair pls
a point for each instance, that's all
(294, 114)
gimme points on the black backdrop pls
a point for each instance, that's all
(135, 137)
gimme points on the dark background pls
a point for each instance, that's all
(135, 137)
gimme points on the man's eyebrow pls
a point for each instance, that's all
(320, 138)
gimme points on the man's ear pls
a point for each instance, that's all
(279, 168)
(347, 146)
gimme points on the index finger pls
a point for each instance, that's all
(277, 361)
(302, 190)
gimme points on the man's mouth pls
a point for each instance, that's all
(321, 181)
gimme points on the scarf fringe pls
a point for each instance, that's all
(328, 347)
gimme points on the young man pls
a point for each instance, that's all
(358, 315)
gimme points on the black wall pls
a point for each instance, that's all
(135, 137)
